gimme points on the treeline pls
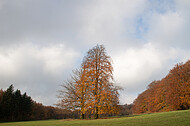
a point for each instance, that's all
(126, 109)
(15, 106)
(170, 93)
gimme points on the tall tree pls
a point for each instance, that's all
(7, 103)
(91, 87)
(103, 94)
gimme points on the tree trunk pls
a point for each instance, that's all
(82, 116)
(96, 115)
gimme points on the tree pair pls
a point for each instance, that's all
(91, 89)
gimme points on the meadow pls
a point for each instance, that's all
(174, 118)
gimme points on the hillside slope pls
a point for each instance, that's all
(168, 94)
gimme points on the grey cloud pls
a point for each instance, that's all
(39, 21)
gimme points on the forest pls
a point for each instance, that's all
(168, 94)
(15, 106)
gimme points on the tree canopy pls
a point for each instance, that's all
(170, 93)
(91, 87)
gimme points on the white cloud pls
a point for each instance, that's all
(126, 98)
(136, 64)
(135, 68)
(53, 58)
(56, 58)
(7, 67)
(36, 70)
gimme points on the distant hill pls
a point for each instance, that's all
(170, 93)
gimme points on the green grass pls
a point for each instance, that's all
(175, 118)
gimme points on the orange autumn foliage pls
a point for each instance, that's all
(91, 87)
(170, 93)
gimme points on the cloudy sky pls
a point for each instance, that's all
(41, 41)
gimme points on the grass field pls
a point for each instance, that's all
(175, 118)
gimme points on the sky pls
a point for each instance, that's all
(42, 41)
